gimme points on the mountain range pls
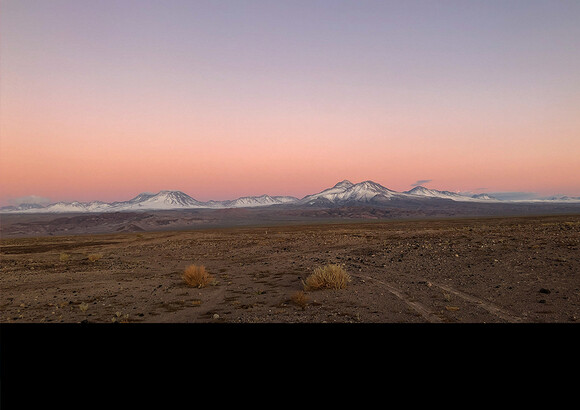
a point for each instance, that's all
(343, 193)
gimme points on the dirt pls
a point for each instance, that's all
(471, 270)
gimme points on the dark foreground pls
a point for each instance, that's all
(479, 270)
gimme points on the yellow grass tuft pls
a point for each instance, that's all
(197, 276)
(327, 277)
(64, 257)
(299, 298)
(93, 257)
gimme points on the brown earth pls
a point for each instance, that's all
(477, 270)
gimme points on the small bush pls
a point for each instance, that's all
(327, 277)
(197, 276)
(93, 257)
(299, 298)
(64, 257)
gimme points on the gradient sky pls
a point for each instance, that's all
(106, 99)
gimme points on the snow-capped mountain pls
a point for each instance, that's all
(143, 201)
(433, 193)
(485, 197)
(263, 200)
(369, 191)
(343, 193)
(21, 207)
(421, 191)
(161, 200)
(66, 207)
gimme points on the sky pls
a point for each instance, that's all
(102, 100)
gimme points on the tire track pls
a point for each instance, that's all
(419, 308)
(490, 307)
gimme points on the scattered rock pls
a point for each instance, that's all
(150, 265)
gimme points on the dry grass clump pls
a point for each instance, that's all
(93, 257)
(299, 298)
(64, 257)
(327, 277)
(197, 276)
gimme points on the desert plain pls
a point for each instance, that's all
(446, 270)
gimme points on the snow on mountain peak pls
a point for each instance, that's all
(418, 189)
(342, 193)
(344, 184)
(484, 196)
(167, 200)
(422, 191)
(367, 190)
(262, 200)
(433, 193)
(372, 186)
(347, 191)
(143, 196)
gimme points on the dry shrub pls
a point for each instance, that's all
(327, 277)
(64, 257)
(299, 298)
(93, 257)
(197, 276)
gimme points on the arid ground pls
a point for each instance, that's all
(466, 270)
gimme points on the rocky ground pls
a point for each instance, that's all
(464, 270)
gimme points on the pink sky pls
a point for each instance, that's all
(287, 109)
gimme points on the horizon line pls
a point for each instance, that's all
(522, 195)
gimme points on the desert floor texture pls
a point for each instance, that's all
(465, 270)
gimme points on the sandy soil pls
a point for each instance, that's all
(486, 270)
